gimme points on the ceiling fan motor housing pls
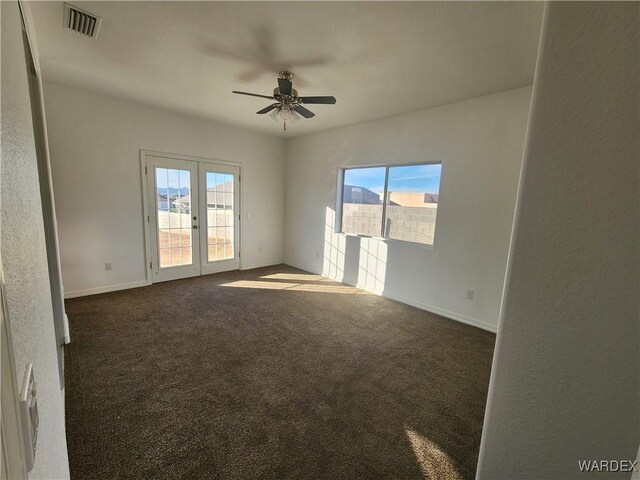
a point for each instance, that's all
(276, 93)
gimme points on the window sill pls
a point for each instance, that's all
(425, 246)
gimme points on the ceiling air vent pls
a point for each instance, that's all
(80, 21)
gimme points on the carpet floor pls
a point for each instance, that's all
(270, 373)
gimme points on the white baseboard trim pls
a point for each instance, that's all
(105, 289)
(422, 306)
(144, 283)
(444, 313)
(262, 264)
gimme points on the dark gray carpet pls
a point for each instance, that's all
(251, 374)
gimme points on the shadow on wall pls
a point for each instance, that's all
(354, 260)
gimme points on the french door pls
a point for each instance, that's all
(193, 217)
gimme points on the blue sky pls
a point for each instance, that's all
(215, 179)
(409, 178)
(172, 178)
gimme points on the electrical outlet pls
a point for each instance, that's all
(107, 266)
(470, 294)
(260, 249)
(317, 254)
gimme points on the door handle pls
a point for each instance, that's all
(195, 227)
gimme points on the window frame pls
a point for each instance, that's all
(385, 193)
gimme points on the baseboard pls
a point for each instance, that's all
(444, 313)
(105, 289)
(143, 283)
(422, 306)
(262, 264)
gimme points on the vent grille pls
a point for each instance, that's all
(80, 21)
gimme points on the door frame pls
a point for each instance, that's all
(144, 153)
(45, 183)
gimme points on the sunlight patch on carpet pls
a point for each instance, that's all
(300, 277)
(298, 287)
(434, 463)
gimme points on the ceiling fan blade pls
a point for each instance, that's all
(303, 111)
(318, 100)
(252, 94)
(267, 109)
(285, 86)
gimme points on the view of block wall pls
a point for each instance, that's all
(362, 219)
(412, 224)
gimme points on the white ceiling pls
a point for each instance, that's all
(377, 58)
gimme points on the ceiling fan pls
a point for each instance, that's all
(288, 106)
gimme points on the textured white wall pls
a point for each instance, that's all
(480, 143)
(95, 144)
(565, 380)
(24, 253)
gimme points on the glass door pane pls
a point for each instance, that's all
(220, 208)
(220, 190)
(174, 207)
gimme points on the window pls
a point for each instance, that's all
(362, 195)
(395, 202)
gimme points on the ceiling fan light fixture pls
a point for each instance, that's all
(286, 113)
